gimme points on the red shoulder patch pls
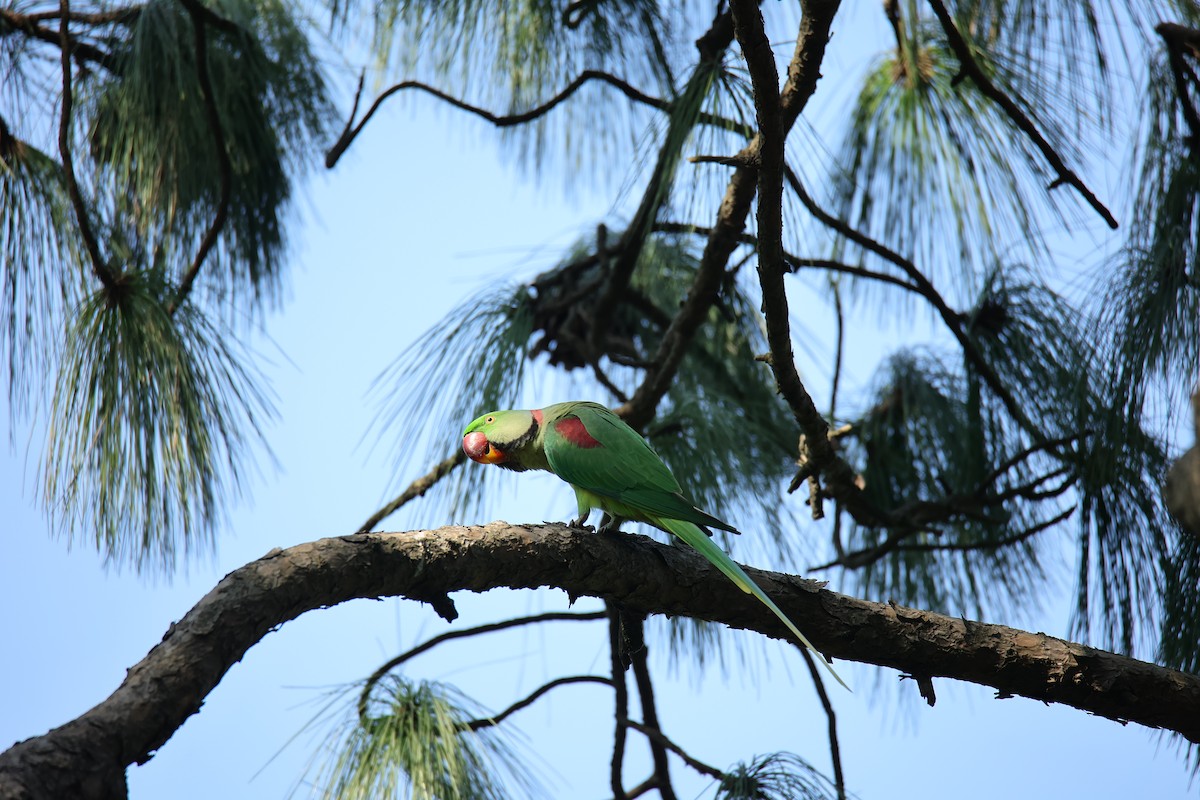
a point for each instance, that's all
(573, 430)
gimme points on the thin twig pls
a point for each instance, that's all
(415, 489)
(835, 751)
(102, 270)
(620, 734)
(970, 67)
(351, 130)
(200, 22)
(81, 51)
(994, 544)
(429, 644)
(487, 722)
(796, 263)
(838, 349)
(924, 286)
(658, 751)
(656, 735)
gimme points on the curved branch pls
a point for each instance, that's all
(171, 682)
(926, 289)
(415, 489)
(429, 644)
(351, 131)
(735, 208)
(487, 722)
(969, 67)
(656, 735)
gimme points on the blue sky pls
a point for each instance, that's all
(407, 225)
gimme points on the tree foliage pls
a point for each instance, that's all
(150, 154)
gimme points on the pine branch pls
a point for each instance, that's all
(351, 131)
(364, 696)
(82, 52)
(91, 245)
(835, 750)
(818, 453)
(171, 682)
(525, 702)
(657, 736)
(731, 218)
(415, 489)
(970, 68)
(621, 700)
(201, 18)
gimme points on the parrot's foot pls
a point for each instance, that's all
(580, 522)
(609, 524)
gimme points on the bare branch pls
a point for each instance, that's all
(351, 130)
(415, 489)
(835, 750)
(657, 736)
(171, 682)
(925, 288)
(970, 67)
(487, 722)
(658, 749)
(621, 699)
(552, 616)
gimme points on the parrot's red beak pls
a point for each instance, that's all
(479, 449)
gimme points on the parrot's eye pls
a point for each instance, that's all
(490, 420)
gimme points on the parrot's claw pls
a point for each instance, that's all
(610, 524)
(580, 522)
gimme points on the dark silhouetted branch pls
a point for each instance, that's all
(170, 684)
(969, 67)
(525, 702)
(415, 489)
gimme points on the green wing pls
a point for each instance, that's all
(621, 466)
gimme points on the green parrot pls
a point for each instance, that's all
(612, 468)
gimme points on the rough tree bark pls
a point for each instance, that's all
(87, 757)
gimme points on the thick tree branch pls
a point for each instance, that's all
(970, 67)
(726, 232)
(818, 451)
(87, 757)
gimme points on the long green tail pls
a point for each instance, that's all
(700, 541)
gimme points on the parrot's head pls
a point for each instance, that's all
(501, 437)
